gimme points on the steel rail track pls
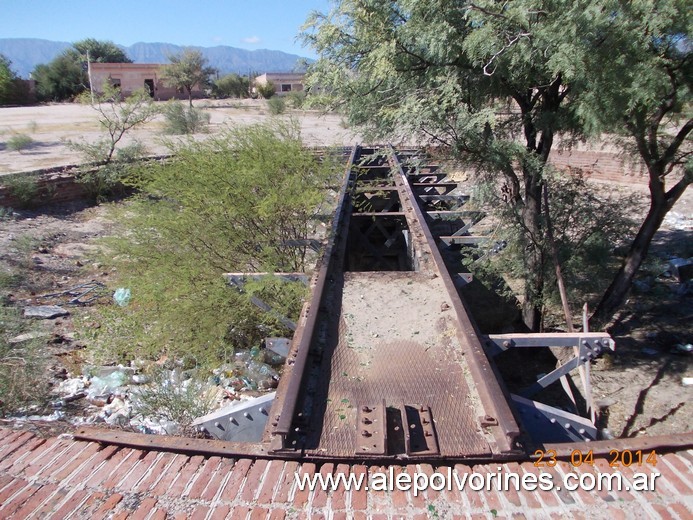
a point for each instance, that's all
(426, 398)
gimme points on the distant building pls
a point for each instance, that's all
(133, 76)
(284, 82)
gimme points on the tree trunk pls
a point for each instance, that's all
(616, 294)
(534, 284)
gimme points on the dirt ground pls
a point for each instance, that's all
(640, 387)
(50, 126)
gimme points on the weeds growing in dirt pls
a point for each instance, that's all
(276, 106)
(24, 189)
(22, 361)
(182, 120)
(19, 143)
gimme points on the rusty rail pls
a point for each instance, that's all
(284, 406)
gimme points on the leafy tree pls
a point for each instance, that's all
(61, 79)
(495, 83)
(489, 81)
(266, 90)
(98, 52)
(118, 117)
(187, 70)
(651, 107)
(66, 76)
(7, 77)
(232, 85)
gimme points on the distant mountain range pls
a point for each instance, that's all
(26, 53)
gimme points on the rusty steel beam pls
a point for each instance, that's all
(289, 387)
(486, 378)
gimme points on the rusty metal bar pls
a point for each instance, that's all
(485, 377)
(290, 384)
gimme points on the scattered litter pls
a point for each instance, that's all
(45, 312)
(109, 391)
(104, 386)
(70, 386)
(278, 346)
(55, 416)
(78, 295)
(650, 351)
(687, 381)
(121, 296)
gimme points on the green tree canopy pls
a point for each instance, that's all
(232, 85)
(66, 76)
(61, 79)
(645, 96)
(7, 77)
(489, 81)
(495, 83)
(99, 51)
(187, 70)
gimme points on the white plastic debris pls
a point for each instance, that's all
(121, 296)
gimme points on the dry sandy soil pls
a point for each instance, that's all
(641, 384)
(51, 125)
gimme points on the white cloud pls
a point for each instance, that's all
(251, 40)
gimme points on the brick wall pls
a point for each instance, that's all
(54, 186)
(604, 166)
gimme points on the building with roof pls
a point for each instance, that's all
(130, 77)
(284, 82)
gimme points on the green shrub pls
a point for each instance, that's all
(276, 105)
(182, 120)
(24, 189)
(231, 85)
(100, 180)
(296, 99)
(19, 143)
(266, 90)
(229, 204)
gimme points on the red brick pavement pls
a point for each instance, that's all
(60, 478)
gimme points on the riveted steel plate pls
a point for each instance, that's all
(396, 343)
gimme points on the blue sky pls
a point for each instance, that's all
(247, 24)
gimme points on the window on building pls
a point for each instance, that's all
(115, 82)
(286, 87)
